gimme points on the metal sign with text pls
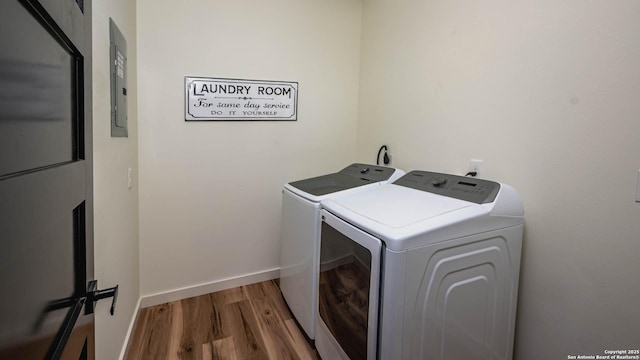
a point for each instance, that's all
(237, 99)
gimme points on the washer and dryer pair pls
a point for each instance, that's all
(422, 267)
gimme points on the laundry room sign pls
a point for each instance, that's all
(237, 99)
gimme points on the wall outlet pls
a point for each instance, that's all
(475, 165)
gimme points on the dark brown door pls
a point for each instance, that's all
(46, 206)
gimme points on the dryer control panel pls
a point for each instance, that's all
(474, 190)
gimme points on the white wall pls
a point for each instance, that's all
(547, 93)
(210, 192)
(115, 206)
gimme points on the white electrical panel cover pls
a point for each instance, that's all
(118, 75)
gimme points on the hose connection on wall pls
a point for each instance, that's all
(385, 158)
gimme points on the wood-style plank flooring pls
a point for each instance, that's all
(248, 322)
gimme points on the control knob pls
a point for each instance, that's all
(439, 181)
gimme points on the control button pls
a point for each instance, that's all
(366, 170)
(439, 181)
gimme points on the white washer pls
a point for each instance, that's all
(299, 250)
(424, 268)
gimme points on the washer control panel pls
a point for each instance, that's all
(470, 189)
(352, 176)
(368, 172)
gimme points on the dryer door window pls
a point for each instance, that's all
(348, 290)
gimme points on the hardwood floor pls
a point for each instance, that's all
(248, 322)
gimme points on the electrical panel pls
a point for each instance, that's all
(118, 75)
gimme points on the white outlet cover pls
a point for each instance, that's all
(476, 165)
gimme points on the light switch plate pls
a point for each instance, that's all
(638, 188)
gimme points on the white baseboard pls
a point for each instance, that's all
(197, 290)
(136, 312)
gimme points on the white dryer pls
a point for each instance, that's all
(299, 249)
(424, 268)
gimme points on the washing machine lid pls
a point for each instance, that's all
(353, 176)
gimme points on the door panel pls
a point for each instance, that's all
(350, 264)
(46, 232)
(344, 291)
